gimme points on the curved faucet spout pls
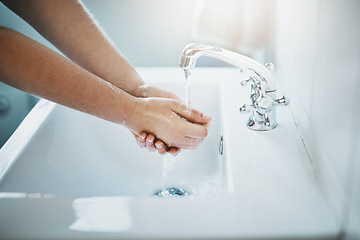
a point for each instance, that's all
(193, 51)
(263, 91)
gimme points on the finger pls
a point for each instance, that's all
(188, 143)
(161, 151)
(193, 141)
(194, 133)
(174, 96)
(183, 146)
(141, 139)
(199, 122)
(150, 142)
(174, 151)
(161, 147)
(191, 114)
(207, 125)
(167, 94)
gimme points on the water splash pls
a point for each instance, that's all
(168, 164)
(172, 192)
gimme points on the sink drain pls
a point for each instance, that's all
(172, 192)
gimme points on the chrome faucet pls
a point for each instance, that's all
(262, 88)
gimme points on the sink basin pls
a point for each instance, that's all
(75, 154)
(69, 175)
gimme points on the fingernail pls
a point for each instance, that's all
(158, 145)
(207, 116)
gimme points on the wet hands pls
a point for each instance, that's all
(146, 140)
(170, 121)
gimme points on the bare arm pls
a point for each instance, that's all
(70, 28)
(32, 67)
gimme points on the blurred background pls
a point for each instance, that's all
(315, 45)
(153, 34)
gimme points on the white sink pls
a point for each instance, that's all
(66, 174)
(75, 154)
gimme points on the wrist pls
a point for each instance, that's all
(135, 108)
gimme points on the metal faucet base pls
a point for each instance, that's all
(259, 126)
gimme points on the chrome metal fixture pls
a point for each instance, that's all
(262, 88)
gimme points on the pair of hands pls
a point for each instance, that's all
(161, 122)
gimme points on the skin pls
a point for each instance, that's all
(94, 78)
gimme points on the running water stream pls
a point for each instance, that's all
(187, 87)
(168, 160)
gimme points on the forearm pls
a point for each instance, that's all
(32, 67)
(68, 26)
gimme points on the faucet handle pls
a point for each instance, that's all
(246, 81)
(262, 105)
(262, 111)
(251, 80)
(283, 101)
(247, 108)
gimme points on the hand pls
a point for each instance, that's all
(148, 140)
(170, 121)
(147, 91)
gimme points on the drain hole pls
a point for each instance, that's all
(172, 192)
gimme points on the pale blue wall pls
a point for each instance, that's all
(149, 33)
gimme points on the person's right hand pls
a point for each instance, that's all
(170, 121)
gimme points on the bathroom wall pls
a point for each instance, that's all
(149, 33)
(317, 54)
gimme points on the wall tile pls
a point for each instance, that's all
(318, 51)
(296, 32)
